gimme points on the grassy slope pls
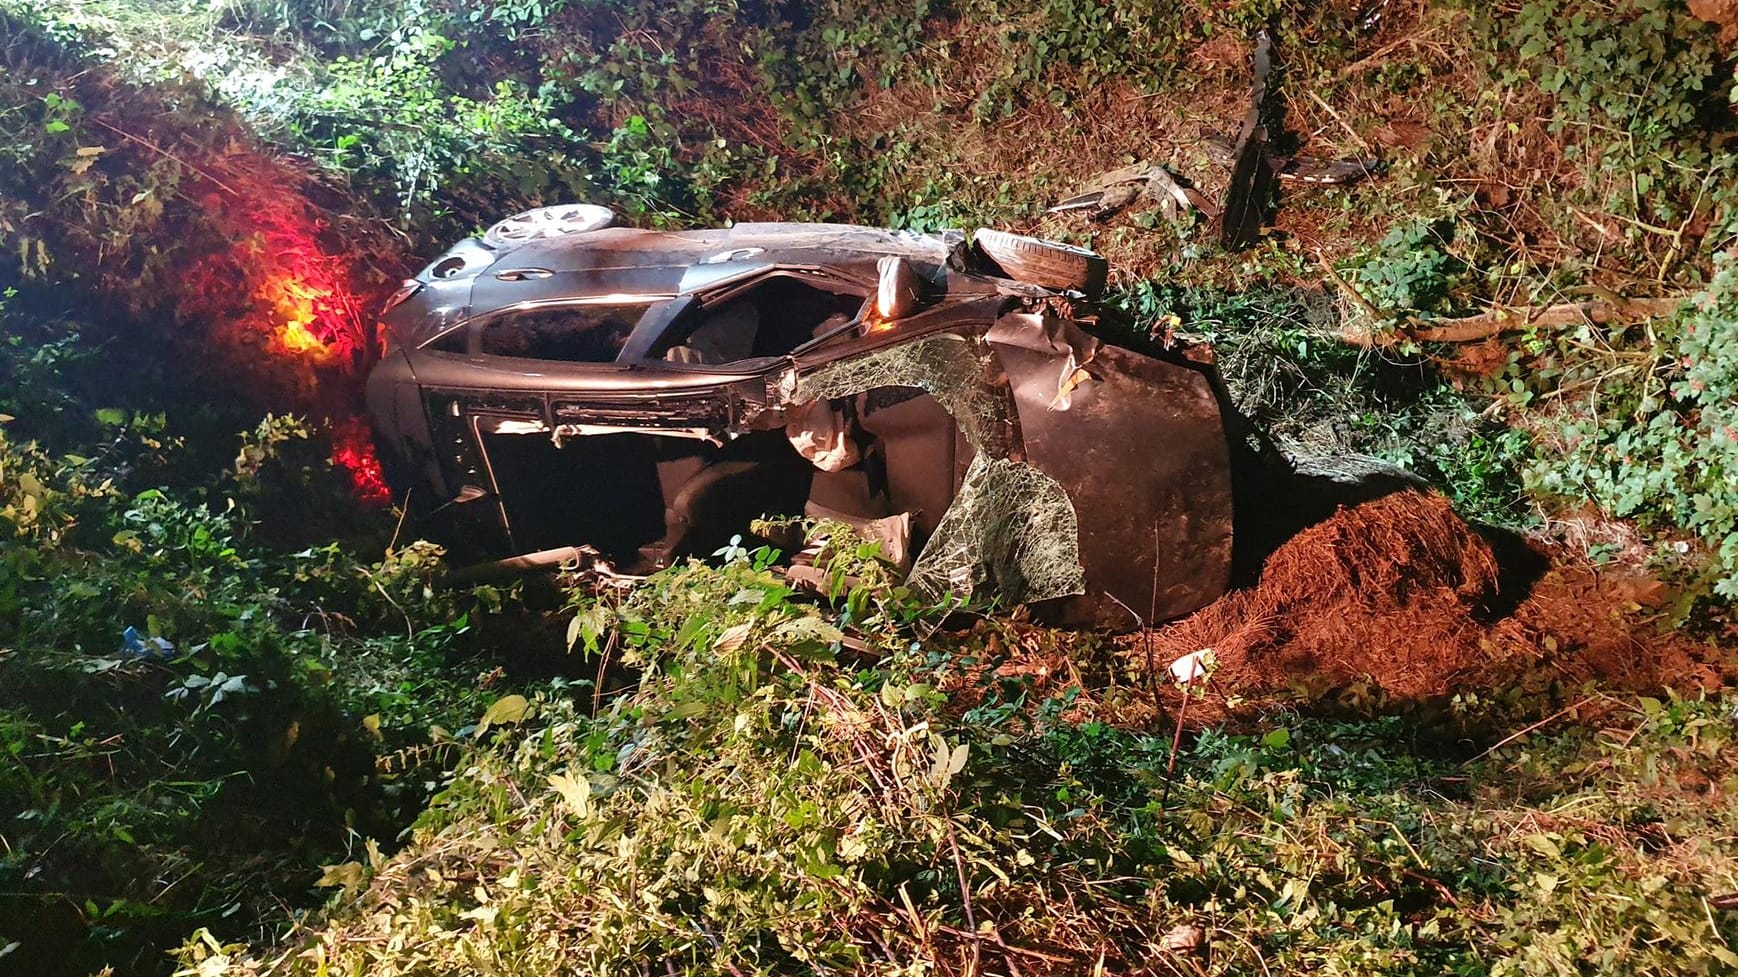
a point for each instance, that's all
(756, 807)
(754, 804)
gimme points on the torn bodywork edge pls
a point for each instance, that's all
(1010, 527)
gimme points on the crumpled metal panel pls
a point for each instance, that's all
(1138, 445)
(1011, 528)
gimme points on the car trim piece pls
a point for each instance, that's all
(520, 426)
(614, 298)
(489, 470)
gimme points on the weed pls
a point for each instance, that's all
(753, 806)
(1647, 429)
(190, 716)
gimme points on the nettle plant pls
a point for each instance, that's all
(1658, 442)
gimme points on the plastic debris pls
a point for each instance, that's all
(1187, 938)
(135, 646)
(1192, 666)
(1119, 189)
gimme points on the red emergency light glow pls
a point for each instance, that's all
(353, 451)
(289, 290)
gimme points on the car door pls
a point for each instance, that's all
(1139, 445)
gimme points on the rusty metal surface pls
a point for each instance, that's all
(1300, 168)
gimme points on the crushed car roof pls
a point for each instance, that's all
(631, 264)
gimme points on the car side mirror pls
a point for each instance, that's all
(899, 289)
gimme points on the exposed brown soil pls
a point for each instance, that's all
(1330, 108)
(1587, 624)
(1399, 594)
(1724, 13)
(1390, 589)
(1056, 151)
(1391, 600)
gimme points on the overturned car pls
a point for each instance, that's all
(650, 393)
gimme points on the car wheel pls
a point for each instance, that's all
(548, 222)
(1051, 264)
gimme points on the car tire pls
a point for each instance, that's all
(547, 222)
(1051, 264)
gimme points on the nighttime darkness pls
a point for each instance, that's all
(959, 488)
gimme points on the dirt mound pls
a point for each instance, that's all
(1399, 594)
(1391, 599)
(1390, 552)
(1390, 590)
(1585, 623)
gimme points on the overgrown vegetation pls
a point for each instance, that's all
(188, 192)
(1320, 397)
(170, 679)
(756, 806)
(1646, 429)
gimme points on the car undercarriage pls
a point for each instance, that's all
(963, 418)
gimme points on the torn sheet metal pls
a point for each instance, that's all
(1335, 172)
(1136, 444)
(1301, 168)
(1101, 478)
(1102, 203)
(1173, 199)
(1067, 347)
(1121, 188)
(1011, 528)
(1246, 198)
(891, 533)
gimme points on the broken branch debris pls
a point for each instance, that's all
(1471, 329)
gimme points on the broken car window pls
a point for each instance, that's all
(452, 341)
(771, 318)
(724, 335)
(574, 334)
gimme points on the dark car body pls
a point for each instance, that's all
(649, 393)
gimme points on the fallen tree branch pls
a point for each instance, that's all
(1380, 54)
(1500, 320)
(1505, 741)
(1472, 329)
(1356, 297)
(159, 150)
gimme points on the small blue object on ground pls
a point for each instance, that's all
(134, 646)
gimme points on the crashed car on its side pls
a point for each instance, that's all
(650, 393)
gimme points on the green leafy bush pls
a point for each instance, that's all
(389, 114)
(754, 805)
(1635, 94)
(197, 771)
(1317, 395)
(1411, 271)
(1650, 432)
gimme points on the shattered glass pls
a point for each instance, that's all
(1010, 527)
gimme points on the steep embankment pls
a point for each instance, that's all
(1416, 755)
